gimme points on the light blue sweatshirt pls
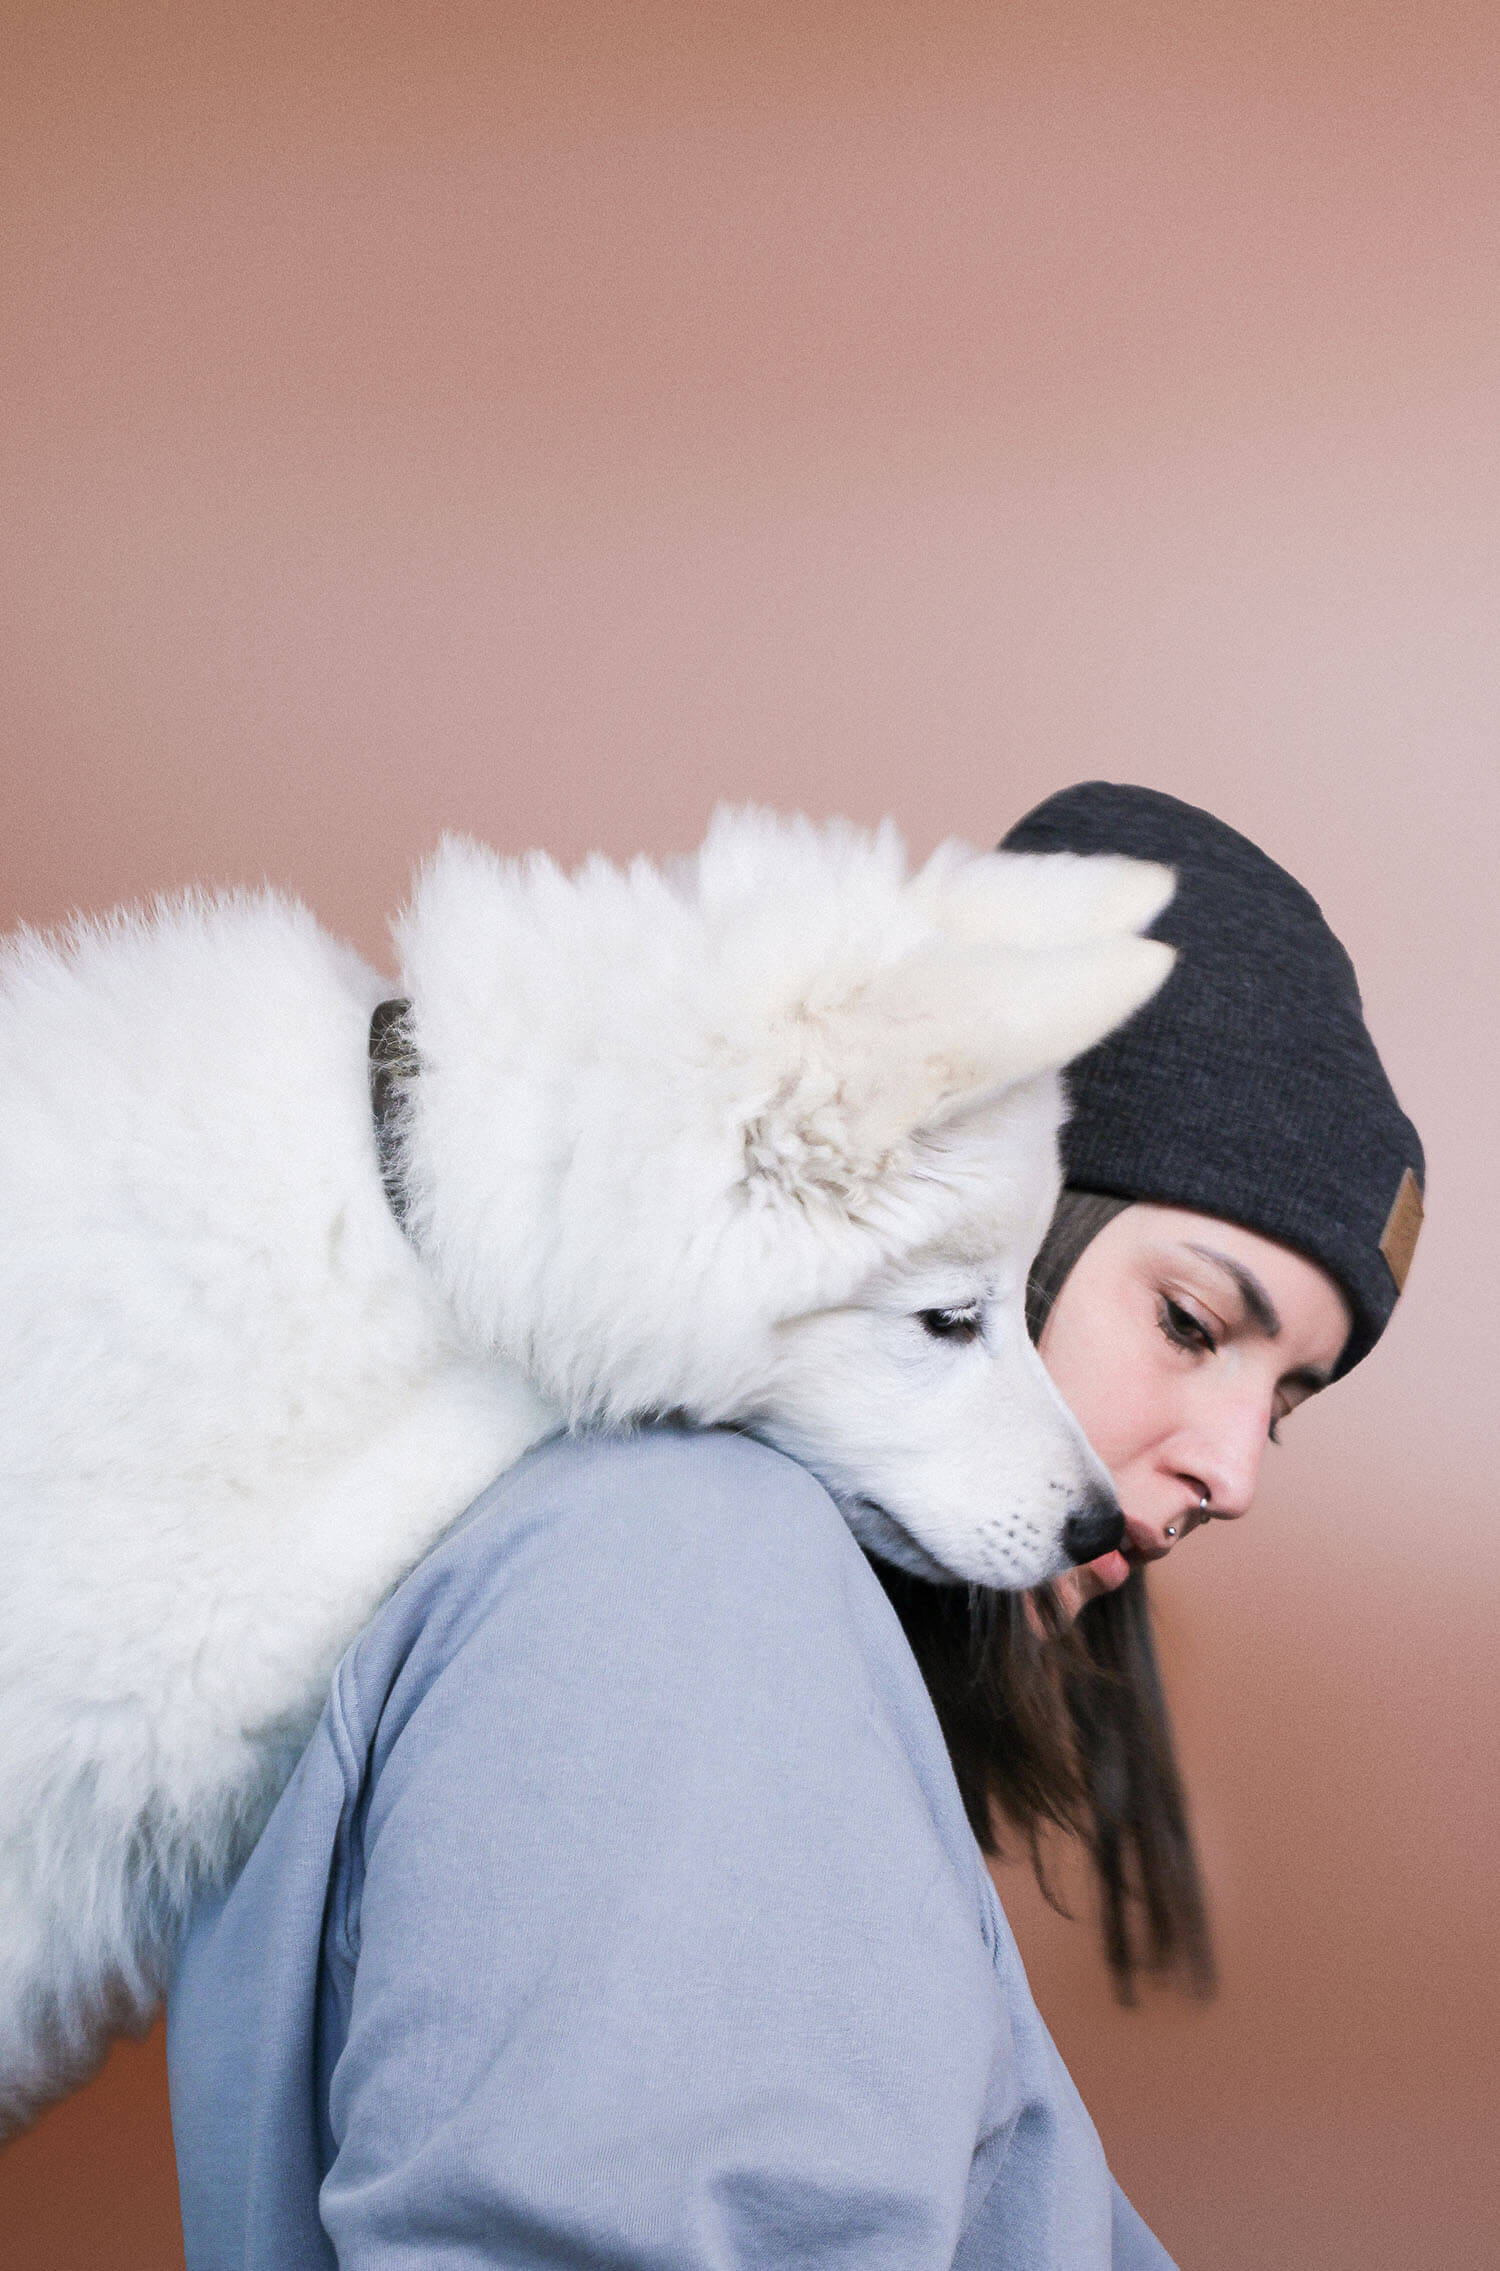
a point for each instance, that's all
(623, 1913)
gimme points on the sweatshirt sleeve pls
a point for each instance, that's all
(1135, 2246)
(655, 1952)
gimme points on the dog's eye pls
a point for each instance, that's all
(952, 1324)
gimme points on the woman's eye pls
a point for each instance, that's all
(1182, 1328)
(952, 1324)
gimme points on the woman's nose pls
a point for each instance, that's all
(1227, 1462)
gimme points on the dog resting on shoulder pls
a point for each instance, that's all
(766, 1139)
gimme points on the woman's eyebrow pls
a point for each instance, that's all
(1256, 1299)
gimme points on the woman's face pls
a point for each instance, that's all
(1180, 1343)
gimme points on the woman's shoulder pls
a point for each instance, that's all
(622, 1560)
(656, 1507)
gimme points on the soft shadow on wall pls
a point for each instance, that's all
(548, 422)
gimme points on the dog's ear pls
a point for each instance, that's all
(1042, 899)
(937, 1032)
(974, 1019)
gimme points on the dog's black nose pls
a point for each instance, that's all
(1096, 1528)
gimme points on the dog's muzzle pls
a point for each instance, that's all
(1096, 1527)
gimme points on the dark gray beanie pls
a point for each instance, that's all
(1249, 1087)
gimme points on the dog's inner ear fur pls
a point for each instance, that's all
(948, 1025)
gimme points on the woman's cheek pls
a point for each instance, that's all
(1127, 1422)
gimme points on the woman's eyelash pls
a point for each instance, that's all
(1182, 1328)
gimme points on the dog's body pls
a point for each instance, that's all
(768, 1141)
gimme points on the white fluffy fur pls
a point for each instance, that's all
(703, 1140)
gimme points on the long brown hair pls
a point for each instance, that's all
(1052, 1725)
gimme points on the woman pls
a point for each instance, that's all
(1247, 1106)
(624, 1909)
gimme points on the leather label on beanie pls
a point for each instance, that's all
(1398, 1240)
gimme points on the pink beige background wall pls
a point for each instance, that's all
(549, 420)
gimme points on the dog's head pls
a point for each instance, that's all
(771, 1140)
(919, 1399)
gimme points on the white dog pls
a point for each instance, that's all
(768, 1140)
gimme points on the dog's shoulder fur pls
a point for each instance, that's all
(234, 1409)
